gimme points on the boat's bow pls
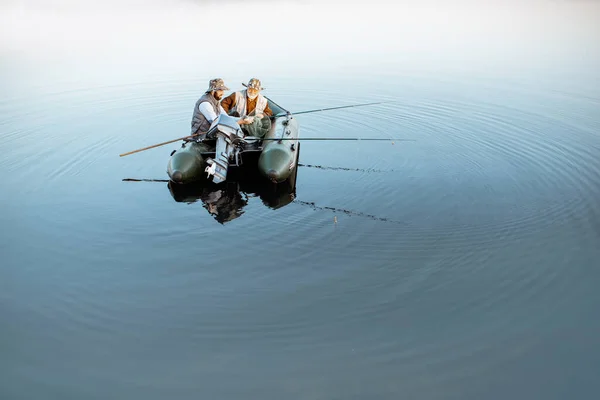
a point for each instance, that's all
(279, 157)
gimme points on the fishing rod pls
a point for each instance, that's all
(159, 144)
(327, 109)
(143, 180)
(378, 139)
(275, 139)
(277, 115)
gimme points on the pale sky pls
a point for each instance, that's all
(424, 31)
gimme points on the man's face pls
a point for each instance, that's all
(219, 94)
(252, 93)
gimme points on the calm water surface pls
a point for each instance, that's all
(460, 263)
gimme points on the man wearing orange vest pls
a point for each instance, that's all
(253, 106)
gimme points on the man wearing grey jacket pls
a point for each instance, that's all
(207, 108)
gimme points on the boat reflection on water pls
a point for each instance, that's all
(226, 201)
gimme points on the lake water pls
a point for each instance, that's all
(461, 262)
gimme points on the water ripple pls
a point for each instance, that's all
(471, 229)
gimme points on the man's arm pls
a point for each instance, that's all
(268, 110)
(208, 112)
(228, 102)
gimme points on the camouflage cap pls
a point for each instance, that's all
(254, 84)
(216, 84)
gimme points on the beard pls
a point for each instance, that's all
(252, 96)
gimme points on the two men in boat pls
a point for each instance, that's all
(249, 105)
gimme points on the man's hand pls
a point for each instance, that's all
(259, 116)
(245, 121)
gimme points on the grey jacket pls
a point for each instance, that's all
(199, 122)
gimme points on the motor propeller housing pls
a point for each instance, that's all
(228, 134)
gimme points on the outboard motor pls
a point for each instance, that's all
(229, 135)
